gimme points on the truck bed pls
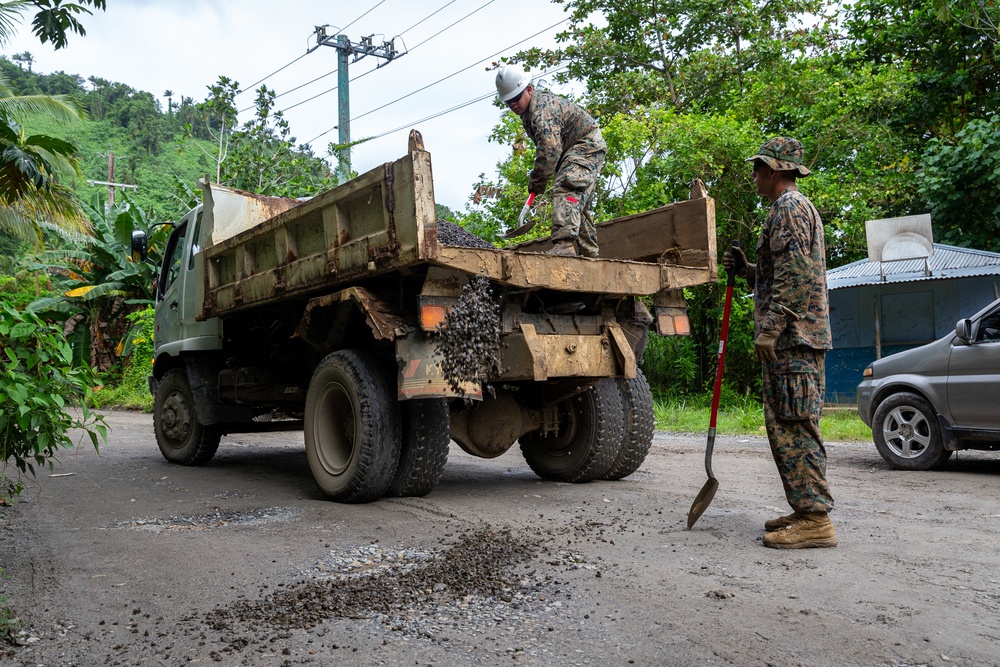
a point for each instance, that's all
(385, 221)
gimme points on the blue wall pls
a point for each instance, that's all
(911, 314)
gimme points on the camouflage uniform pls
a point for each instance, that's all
(568, 143)
(790, 297)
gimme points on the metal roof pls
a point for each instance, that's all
(947, 262)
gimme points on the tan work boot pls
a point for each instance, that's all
(810, 530)
(781, 522)
(564, 247)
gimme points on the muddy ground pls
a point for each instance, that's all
(124, 559)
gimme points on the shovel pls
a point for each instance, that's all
(704, 497)
(522, 226)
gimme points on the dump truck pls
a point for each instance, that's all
(346, 316)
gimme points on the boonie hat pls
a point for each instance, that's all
(782, 154)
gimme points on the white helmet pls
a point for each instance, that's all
(511, 80)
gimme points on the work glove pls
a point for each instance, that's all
(763, 347)
(735, 257)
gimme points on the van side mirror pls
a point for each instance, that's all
(963, 329)
(140, 247)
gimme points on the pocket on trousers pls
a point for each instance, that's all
(794, 388)
(793, 395)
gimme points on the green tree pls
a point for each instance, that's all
(33, 166)
(98, 280)
(42, 395)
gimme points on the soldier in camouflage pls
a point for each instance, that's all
(569, 145)
(792, 328)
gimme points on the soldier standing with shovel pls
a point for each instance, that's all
(792, 326)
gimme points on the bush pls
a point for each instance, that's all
(129, 387)
(20, 290)
(42, 396)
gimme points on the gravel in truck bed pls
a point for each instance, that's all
(453, 235)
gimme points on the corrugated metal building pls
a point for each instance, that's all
(879, 309)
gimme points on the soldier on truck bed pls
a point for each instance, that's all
(568, 144)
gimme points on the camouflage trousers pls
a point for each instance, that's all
(793, 402)
(572, 197)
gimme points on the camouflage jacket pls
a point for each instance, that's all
(790, 283)
(561, 131)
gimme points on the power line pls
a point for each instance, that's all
(307, 53)
(490, 2)
(425, 18)
(454, 108)
(330, 90)
(444, 78)
(344, 29)
(273, 73)
(292, 90)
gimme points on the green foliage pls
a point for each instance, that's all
(40, 390)
(97, 278)
(55, 19)
(961, 182)
(21, 289)
(130, 389)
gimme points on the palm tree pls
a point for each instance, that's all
(169, 94)
(33, 166)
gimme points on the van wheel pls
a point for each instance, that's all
(637, 402)
(351, 428)
(179, 435)
(591, 426)
(426, 438)
(907, 434)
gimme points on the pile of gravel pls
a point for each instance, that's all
(481, 565)
(453, 235)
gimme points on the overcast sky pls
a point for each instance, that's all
(185, 45)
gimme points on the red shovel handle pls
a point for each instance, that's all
(717, 390)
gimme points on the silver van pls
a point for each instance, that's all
(923, 404)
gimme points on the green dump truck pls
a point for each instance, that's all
(346, 316)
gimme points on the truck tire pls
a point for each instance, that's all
(426, 438)
(351, 428)
(640, 422)
(591, 426)
(179, 435)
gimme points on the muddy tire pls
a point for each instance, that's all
(426, 438)
(640, 422)
(351, 428)
(591, 426)
(179, 435)
(907, 434)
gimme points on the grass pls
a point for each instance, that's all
(741, 415)
(745, 416)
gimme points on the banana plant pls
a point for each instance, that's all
(98, 281)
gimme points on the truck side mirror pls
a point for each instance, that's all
(140, 248)
(963, 329)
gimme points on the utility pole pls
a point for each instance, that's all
(111, 182)
(345, 49)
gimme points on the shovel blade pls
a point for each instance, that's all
(702, 501)
(517, 231)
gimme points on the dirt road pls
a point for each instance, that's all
(124, 559)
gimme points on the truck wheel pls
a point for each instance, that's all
(637, 402)
(426, 437)
(907, 434)
(351, 428)
(178, 434)
(591, 426)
